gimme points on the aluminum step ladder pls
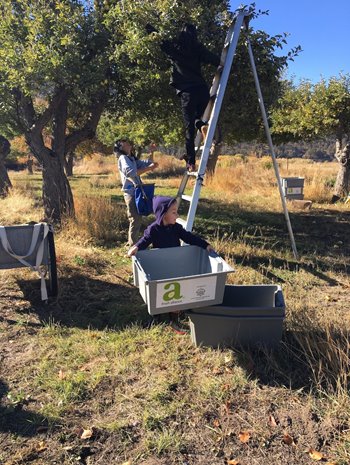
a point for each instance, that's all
(211, 115)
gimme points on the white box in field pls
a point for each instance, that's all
(179, 278)
(293, 188)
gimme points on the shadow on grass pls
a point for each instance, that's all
(88, 302)
(320, 236)
(309, 360)
(15, 418)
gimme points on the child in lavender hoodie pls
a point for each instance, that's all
(165, 232)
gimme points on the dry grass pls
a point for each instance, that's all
(98, 219)
(96, 164)
(106, 182)
(251, 178)
(19, 207)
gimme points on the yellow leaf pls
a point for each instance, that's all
(216, 423)
(87, 433)
(287, 439)
(316, 455)
(41, 446)
(244, 436)
(127, 463)
(62, 374)
(233, 462)
(227, 406)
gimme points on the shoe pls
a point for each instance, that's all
(176, 325)
(191, 168)
(178, 328)
(199, 124)
(202, 127)
(204, 130)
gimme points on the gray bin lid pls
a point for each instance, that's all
(247, 301)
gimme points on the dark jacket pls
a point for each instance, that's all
(161, 236)
(186, 63)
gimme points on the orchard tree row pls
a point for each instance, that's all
(69, 68)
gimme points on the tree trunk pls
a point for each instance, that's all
(214, 152)
(5, 183)
(57, 194)
(69, 164)
(213, 158)
(342, 154)
(30, 163)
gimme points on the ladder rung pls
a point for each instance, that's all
(186, 197)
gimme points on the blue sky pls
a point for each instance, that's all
(320, 27)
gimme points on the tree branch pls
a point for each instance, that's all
(46, 115)
(89, 130)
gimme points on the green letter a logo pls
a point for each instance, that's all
(173, 292)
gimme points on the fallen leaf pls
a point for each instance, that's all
(331, 463)
(244, 436)
(127, 463)
(287, 439)
(227, 406)
(216, 423)
(62, 374)
(41, 446)
(217, 371)
(87, 434)
(316, 455)
(272, 421)
(233, 462)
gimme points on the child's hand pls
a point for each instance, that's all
(210, 248)
(133, 250)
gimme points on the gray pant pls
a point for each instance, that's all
(135, 220)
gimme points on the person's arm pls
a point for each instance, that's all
(150, 167)
(169, 48)
(132, 170)
(145, 240)
(206, 56)
(133, 251)
(191, 238)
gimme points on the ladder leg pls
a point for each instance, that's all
(268, 135)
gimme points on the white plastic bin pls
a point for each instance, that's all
(293, 188)
(248, 316)
(179, 278)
